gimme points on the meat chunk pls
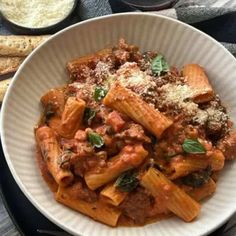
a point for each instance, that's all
(214, 117)
(214, 129)
(79, 191)
(80, 135)
(83, 164)
(115, 121)
(137, 205)
(121, 56)
(124, 52)
(228, 146)
(134, 132)
(102, 113)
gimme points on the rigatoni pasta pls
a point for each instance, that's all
(71, 117)
(197, 79)
(191, 164)
(127, 102)
(129, 139)
(113, 195)
(129, 158)
(99, 211)
(204, 191)
(50, 149)
(177, 201)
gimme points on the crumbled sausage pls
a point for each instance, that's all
(228, 146)
(133, 132)
(214, 129)
(115, 121)
(137, 205)
(80, 191)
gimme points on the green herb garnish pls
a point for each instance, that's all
(89, 114)
(127, 181)
(159, 65)
(95, 139)
(193, 146)
(99, 93)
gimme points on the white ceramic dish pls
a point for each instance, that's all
(45, 68)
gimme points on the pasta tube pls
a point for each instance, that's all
(190, 164)
(129, 103)
(113, 195)
(198, 81)
(50, 150)
(129, 158)
(72, 117)
(97, 210)
(217, 160)
(55, 100)
(187, 165)
(177, 201)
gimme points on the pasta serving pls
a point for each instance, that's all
(129, 139)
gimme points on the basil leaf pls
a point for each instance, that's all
(89, 114)
(193, 146)
(99, 93)
(159, 65)
(127, 181)
(95, 139)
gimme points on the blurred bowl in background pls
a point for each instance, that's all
(149, 5)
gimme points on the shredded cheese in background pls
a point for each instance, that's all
(36, 13)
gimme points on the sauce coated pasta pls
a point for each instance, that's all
(129, 139)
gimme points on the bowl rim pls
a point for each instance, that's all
(16, 76)
(44, 28)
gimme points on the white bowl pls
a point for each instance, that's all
(45, 69)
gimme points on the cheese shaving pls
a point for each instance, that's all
(179, 96)
(130, 76)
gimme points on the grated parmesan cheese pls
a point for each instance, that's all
(102, 72)
(130, 76)
(178, 95)
(201, 117)
(212, 114)
(85, 88)
(35, 13)
(216, 115)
